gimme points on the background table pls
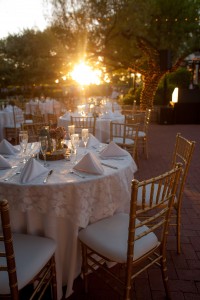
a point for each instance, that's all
(66, 203)
(102, 126)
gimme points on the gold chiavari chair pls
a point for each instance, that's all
(52, 120)
(84, 122)
(135, 241)
(182, 153)
(24, 259)
(11, 132)
(126, 136)
(143, 119)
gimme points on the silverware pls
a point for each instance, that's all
(110, 166)
(77, 174)
(46, 178)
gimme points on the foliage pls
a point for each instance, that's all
(31, 58)
(181, 78)
(130, 34)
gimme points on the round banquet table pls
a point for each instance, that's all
(102, 126)
(66, 203)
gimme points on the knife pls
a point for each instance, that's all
(112, 167)
(46, 178)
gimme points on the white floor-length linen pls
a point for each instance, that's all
(65, 204)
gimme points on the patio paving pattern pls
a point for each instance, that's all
(183, 269)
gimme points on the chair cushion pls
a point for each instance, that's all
(109, 238)
(120, 141)
(141, 134)
(31, 255)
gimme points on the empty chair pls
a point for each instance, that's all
(11, 132)
(24, 259)
(32, 132)
(126, 136)
(183, 152)
(38, 119)
(136, 240)
(52, 120)
(143, 119)
(84, 122)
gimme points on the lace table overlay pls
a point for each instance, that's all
(66, 195)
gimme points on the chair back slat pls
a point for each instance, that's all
(125, 135)
(156, 214)
(84, 122)
(8, 265)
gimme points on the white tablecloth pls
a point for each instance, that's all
(66, 203)
(102, 126)
(48, 106)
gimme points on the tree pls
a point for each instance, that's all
(31, 58)
(131, 34)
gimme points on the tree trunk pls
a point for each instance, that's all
(150, 85)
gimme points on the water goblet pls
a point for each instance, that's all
(43, 140)
(85, 136)
(75, 144)
(71, 130)
(23, 141)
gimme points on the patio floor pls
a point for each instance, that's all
(183, 269)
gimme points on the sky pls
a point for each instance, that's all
(16, 15)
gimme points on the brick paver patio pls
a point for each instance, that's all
(183, 269)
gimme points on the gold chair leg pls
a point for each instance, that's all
(178, 232)
(165, 277)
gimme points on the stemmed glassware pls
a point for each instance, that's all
(75, 144)
(85, 136)
(71, 130)
(23, 141)
(43, 140)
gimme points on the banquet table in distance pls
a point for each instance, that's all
(102, 123)
(68, 201)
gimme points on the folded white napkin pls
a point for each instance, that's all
(4, 164)
(89, 164)
(92, 141)
(31, 170)
(113, 150)
(7, 148)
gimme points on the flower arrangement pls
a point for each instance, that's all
(58, 133)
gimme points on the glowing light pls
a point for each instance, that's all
(85, 75)
(175, 95)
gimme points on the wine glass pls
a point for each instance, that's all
(71, 130)
(85, 136)
(43, 140)
(23, 141)
(75, 144)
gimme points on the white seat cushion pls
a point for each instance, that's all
(141, 134)
(120, 141)
(109, 238)
(31, 255)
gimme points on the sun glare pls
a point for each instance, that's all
(85, 75)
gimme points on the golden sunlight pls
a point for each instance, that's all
(85, 75)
